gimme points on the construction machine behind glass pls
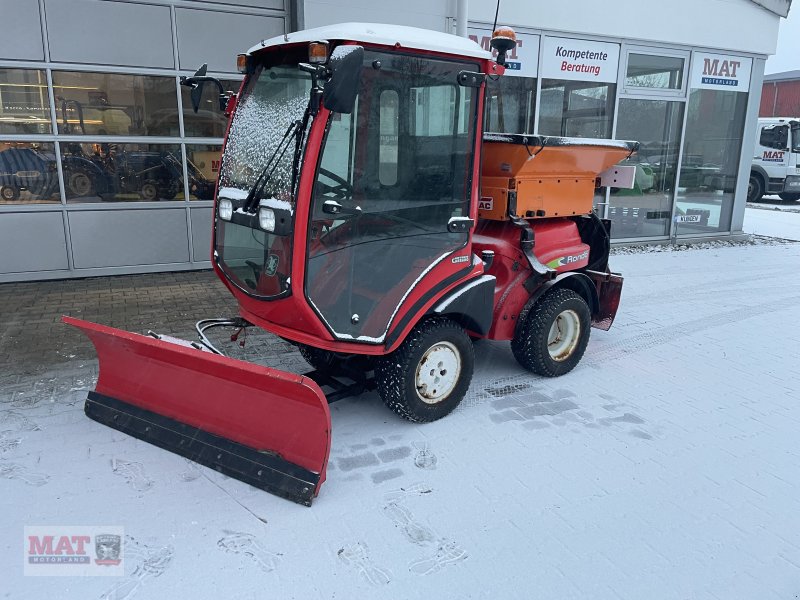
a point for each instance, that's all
(363, 214)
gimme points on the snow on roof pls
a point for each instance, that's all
(385, 35)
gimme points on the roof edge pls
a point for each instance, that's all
(779, 7)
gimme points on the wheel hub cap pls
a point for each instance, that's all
(438, 372)
(564, 335)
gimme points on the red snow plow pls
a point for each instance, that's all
(364, 215)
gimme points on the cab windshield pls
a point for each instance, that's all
(273, 101)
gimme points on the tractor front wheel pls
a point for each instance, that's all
(429, 374)
(553, 336)
(321, 360)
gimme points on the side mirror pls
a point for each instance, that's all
(196, 83)
(341, 90)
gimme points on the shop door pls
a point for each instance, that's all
(645, 210)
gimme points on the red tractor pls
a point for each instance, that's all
(363, 214)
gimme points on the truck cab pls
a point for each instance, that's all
(776, 161)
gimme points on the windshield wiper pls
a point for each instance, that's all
(266, 173)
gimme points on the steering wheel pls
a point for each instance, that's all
(341, 191)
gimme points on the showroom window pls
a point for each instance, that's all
(654, 72)
(510, 104)
(28, 173)
(576, 108)
(202, 164)
(115, 104)
(24, 103)
(209, 121)
(645, 210)
(711, 152)
(109, 171)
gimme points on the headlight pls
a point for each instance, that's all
(266, 219)
(225, 209)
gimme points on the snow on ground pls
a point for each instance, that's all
(773, 217)
(664, 467)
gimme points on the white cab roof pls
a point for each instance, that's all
(385, 35)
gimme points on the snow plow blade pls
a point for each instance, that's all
(265, 427)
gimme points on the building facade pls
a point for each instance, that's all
(105, 169)
(780, 95)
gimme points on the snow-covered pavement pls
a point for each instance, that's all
(664, 467)
(775, 219)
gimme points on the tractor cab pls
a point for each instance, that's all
(347, 174)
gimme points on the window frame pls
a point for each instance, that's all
(623, 88)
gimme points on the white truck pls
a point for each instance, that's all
(776, 164)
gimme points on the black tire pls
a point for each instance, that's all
(9, 193)
(321, 360)
(149, 191)
(532, 346)
(789, 197)
(755, 188)
(398, 374)
(78, 184)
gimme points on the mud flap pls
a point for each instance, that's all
(269, 428)
(609, 293)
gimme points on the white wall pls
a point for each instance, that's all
(738, 25)
(429, 14)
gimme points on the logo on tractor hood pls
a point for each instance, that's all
(568, 260)
(272, 265)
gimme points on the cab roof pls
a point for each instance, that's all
(382, 34)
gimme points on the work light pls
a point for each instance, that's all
(225, 209)
(266, 219)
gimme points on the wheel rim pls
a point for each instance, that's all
(80, 184)
(564, 335)
(7, 193)
(438, 372)
(149, 191)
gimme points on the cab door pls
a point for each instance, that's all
(392, 177)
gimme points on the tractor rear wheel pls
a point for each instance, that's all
(429, 374)
(551, 339)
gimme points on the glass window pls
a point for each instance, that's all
(114, 104)
(646, 209)
(28, 173)
(710, 164)
(24, 104)
(510, 103)
(106, 171)
(774, 136)
(202, 168)
(366, 253)
(576, 108)
(651, 71)
(389, 129)
(209, 121)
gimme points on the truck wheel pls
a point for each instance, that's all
(552, 338)
(755, 188)
(428, 375)
(789, 197)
